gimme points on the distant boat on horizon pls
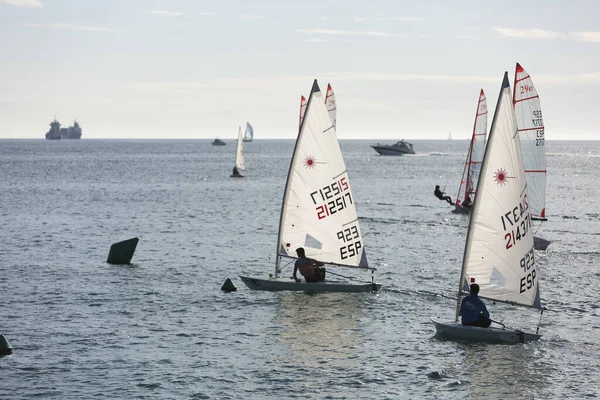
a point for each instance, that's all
(249, 134)
(58, 133)
(218, 142)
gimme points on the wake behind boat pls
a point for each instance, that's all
(397, 149)
(499, 254)
(318, 211)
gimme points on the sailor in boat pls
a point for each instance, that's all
(473, 311)
(467, 203)
(440, 195)
(236, 172)
(310, 269)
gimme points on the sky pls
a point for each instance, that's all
(199, 69)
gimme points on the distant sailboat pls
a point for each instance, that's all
(329, 103)
(249, 133)
(450, 136)
(499, 253)
(468, 183)
(239, 171)
(318, 211)
(531, 131)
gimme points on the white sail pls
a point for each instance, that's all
(303, 103)
(240, 159)
(330, 104)
(468, 183)
(318, 211)
(531, 131)
(249, 134)
(499, 252)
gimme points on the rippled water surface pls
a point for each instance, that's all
(162, 329)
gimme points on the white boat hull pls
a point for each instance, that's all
(456, 331)
(276, 285)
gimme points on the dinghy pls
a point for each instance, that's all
(531, 131)
(318, 211)
(499, 253)
(240, 161)
(468, 182)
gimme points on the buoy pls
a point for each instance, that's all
(122, 252)
(228, 286)
(5, 348)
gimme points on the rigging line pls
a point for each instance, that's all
(421, 292)
(347, 277)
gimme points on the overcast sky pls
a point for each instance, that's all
(197, 69)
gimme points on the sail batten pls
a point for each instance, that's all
(318, 210)
(499, 254)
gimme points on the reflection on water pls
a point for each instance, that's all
(504, 371)
(320, 328)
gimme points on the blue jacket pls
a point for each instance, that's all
(470, 308)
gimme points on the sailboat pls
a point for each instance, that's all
(531, 131)
(318, 211)
(249, 133)
(329, 103)
(499, 253)
(468, 182)
(239, 170)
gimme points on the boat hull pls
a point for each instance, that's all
(540, 244)
(455, 331)
(391, 151)
(277, 285)
(461, 210)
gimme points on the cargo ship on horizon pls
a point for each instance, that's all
(58, 133)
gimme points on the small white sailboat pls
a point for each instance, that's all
(531, 131)
(330, 104)
(239, 171)
(318, 211)
(249, 133)
(468, 182)
(499, 253)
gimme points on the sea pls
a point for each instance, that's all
(161, 328)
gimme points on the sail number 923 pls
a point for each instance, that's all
(527, 264)
(350, 237)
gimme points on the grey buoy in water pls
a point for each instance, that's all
(5, 347)
(228, 286)
(122, 252)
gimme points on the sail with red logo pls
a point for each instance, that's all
(499, 254)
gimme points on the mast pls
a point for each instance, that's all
(477, 200)
(315, 89)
